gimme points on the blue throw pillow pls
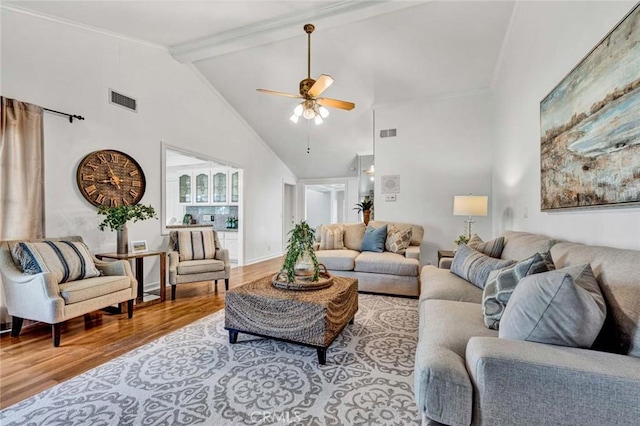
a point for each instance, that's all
(374, 239)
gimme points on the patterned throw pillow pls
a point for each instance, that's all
(474, 266)
(491, 248)
(563, 307)
(500, 286)
(331, 238)
(397, 240)
(66, 260)
(196, 245)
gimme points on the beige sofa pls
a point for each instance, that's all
(465, 374)
(383, 273)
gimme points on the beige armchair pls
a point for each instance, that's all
(40, 297)
(190, 271)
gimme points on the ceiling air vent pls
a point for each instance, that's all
(123, 100)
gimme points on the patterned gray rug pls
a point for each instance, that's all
(194, 376)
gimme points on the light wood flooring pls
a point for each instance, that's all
(30, 364)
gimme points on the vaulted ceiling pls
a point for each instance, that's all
(380, 53)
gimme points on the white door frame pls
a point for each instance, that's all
(286, 220)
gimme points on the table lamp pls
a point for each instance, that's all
(470, 205)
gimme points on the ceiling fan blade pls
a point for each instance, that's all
(273, 92)
(321, 84)
(335, 103)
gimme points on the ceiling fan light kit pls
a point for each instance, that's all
(312, 107)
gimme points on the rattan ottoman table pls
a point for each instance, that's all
(311, 318)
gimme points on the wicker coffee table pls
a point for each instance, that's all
(310, 318)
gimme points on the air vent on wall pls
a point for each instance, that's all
(388, 133)
(123, 100)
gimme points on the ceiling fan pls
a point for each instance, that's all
(313, 106)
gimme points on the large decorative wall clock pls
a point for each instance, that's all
(110, 178)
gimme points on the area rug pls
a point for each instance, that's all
(195, 376)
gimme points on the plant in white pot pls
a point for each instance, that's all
(117, 217)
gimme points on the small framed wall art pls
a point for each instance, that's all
(139, 246)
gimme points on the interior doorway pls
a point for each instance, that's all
(324, 204)
(288, 212)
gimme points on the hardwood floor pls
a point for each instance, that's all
(30, 364)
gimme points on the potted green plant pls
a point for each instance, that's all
(117, 217)
(365, 206)
(300, 260)
(462, 239)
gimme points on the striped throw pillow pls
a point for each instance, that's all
(196, 245)
(66, 260)
(331, 238)
(474, 266)
(491, 248)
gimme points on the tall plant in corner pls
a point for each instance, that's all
(117, 217)
(365, 206)
(300, 246)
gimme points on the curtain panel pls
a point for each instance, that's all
(21, 171)
(21, 177)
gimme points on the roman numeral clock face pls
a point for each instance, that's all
(110, 178)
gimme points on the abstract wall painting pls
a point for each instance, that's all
(590, 127)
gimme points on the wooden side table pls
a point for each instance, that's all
(445, 254)
(139, 272)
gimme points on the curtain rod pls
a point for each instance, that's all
(71, 116)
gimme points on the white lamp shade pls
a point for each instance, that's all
(470, 205)
(294, 118)
(324, 113)
(308, 113)
(298, 110)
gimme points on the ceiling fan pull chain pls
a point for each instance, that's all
(308, 136)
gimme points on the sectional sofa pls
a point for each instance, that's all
(466, 374)
(383, 273)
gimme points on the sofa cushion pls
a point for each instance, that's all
(500, 286)
(397, 240)
(90, 288)
(563, 307)
(196, 245)
(331, 238)
(338, 260)
(65, 260)
(443, 389)
(374, 239)
(474, 266)
(353, 235)
(520, 245)
(491, 248)
(200, 266)
(386, 263)
(441, 284)
(417, 231)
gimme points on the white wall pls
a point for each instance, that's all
(546, 40)
(71, 69)
(318, 207)
(442, 149)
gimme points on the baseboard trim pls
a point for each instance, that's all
(261, 259)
